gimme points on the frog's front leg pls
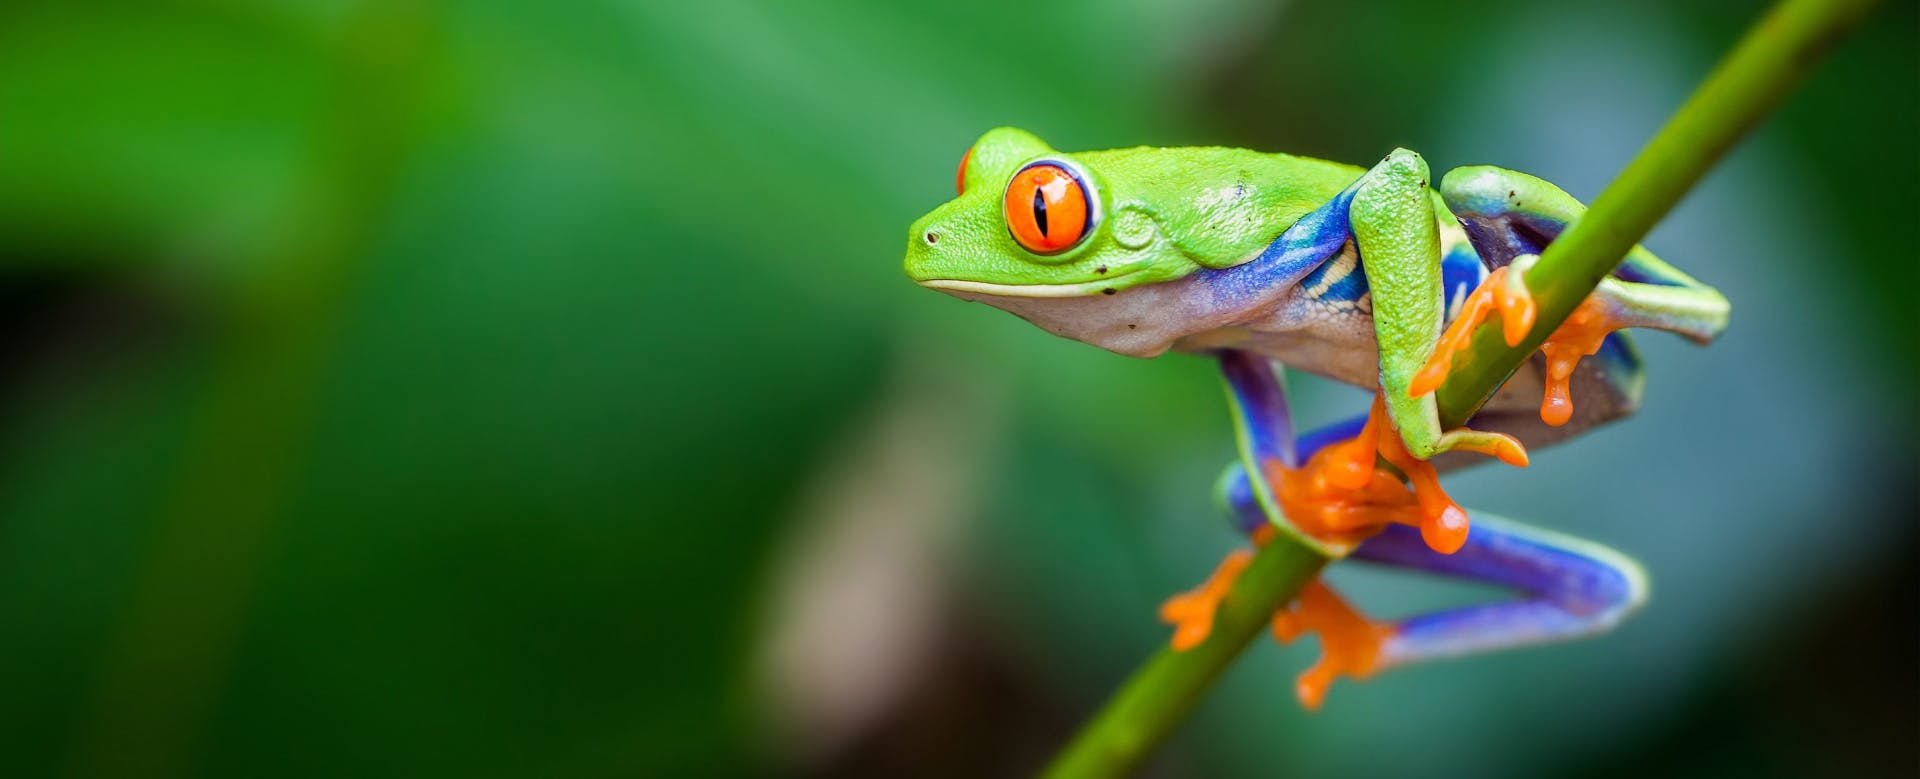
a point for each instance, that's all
(1571, 588)
(1510, 218)
(1395, 228)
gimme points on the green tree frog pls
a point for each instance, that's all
(1370, 276)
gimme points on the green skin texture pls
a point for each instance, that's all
(1140, 189)
(1165, 216)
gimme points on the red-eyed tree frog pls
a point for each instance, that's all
(1372, 277)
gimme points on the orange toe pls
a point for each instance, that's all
(1342, 495)
(1288, 625)
(1350, 464)
(1443, 523)
(1433, 373)
(1191, 613)
(1581, 335)
(1446, 531)
(1517, 311)
(1349, 642)
(1515, 308)
(1505, 447)
(1323, 499)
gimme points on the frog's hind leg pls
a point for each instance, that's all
(1568, 589)
(1510, 218)
(1509, 215)
(1264, 431)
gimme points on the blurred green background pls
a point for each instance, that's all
(522, 389)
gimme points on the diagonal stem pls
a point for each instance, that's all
(1740, 92)
(1766, 65)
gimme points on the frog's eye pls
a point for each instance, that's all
(1048, 208)
(960, 179)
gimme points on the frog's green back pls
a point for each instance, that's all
(1222, 205)
(1154, 215)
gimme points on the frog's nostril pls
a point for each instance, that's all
(931, 237)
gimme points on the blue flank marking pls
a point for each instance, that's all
(1346, 289)
(1300, 250)
(1460, 272)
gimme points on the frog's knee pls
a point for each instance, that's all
(1423, 447)
(1488, 192)
(1482, 190)
(1234, 494)
(1424, 450)
(1608, 588)
(1404, 163)
(1621, 590)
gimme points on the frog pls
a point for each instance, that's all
(1375, 277)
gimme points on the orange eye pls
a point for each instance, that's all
(960, 179)
(1047, 208)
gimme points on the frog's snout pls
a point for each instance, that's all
(923, 240)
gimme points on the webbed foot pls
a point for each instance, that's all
(1349, 642)
(1581, 335)
(1340, 491)
(1191, 613)
(1503, 292)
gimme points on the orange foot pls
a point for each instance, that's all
(1340, 495)
(1516, 310)
(1580, 335)
(1191, 612)
(1349, 642)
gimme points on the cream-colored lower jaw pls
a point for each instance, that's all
(1082, 289)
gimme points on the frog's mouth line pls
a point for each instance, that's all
(1103, 286)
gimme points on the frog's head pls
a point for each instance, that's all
(1078, 243)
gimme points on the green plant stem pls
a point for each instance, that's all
(1755, 77)
(1742, 90)
(1152, 703)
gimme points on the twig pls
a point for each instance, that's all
(1746, 86)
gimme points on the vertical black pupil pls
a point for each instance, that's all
(1040, 210)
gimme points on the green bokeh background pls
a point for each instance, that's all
(520, 389)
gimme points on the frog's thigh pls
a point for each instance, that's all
(1507, 214)
(1521, 212)
(1571, 588)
